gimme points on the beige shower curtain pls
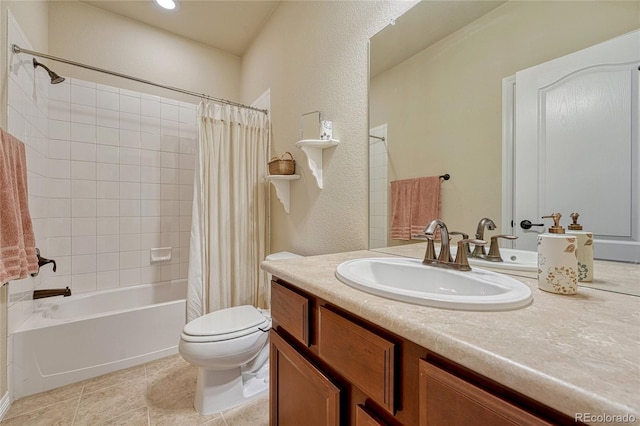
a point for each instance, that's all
(228, 229)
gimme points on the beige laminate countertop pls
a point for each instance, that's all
(577, 354)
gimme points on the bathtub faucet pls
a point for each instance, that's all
(39, 294)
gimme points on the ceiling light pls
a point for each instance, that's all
(167, 4)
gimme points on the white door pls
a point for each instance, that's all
(576, 146)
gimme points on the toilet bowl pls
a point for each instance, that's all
(230, 348)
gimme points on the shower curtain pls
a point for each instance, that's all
(229, 219)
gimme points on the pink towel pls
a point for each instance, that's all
(425, 203)
(401, 209)
(17, 241)
(414, 203)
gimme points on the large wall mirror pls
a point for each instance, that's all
(436, 94)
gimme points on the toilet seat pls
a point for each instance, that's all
(226, 324)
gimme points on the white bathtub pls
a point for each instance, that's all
(86, 335)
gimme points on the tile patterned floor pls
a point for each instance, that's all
(154, 394)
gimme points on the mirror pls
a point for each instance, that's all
(436, 94)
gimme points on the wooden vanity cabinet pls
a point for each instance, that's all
(329, 367)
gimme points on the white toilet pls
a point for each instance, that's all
(231, 349)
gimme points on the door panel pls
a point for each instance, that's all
(576, 146)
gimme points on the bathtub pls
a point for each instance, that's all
(86, 335)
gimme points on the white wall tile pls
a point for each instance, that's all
(129, 208)
(108, 100)
(129, 173)
(129, 191)
(108, 261)
(83, 114)
(83, 207)
(169, 111)
(107, 136)
(129, 121)
(129, 242)
(108, 279)
(130, 225)
(106, 171)
(60, 92)
(150, 125)
(83, 264)
(150, 141)
(83, 226)
(130, 104)
(108, 208)
(108, 118)
(129, 138)
(59, 129)
(107, 243)
(108, 190)
(83, 133)
(149, 158)
(83, 244)
(108, 226)
(108, 154)
(150, 107)
(81, 283)
(59, 110)
(130, 156)
(83, 170)
(83, 188)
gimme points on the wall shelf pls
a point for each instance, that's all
(281, 184)
(313, 150)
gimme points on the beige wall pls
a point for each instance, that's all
(89, 35)
(313, 56)
(451, 95)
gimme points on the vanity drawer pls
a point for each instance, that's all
(361, 356)
(290, 311)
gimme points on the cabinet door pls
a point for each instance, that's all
(300, 394)
(448, 400)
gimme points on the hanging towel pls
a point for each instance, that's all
(414, 203)
(425, 203)
(17, 241)
(401, 209)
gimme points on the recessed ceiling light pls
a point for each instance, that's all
(168, 4)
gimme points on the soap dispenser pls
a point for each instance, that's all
(557, 260)
(585, 249)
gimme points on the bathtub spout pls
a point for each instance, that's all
(39, 294)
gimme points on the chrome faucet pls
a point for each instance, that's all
(485, 222)
(444, 257)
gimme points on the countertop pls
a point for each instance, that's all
(576, 354)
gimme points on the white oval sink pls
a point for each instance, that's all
(408, 280)
(512, 260)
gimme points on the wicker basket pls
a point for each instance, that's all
(282, 165)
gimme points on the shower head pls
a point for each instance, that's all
(55, 78)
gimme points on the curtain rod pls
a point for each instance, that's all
(17, 49)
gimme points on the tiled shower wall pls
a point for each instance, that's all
(378, 188)
(121, 170)
(110, 177)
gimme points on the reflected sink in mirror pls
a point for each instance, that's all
(408, 280)
(512, 260)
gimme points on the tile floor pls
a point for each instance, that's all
(157, 393)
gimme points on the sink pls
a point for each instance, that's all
(408, 280)
(513, 260)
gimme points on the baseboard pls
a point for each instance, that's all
(5, 404)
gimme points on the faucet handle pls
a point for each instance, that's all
(462, 263)
(465, 236)
(494, 248)
(430, 254)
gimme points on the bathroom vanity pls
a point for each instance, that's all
(341, 356)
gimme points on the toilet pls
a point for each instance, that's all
(230, 347)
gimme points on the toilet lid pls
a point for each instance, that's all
(227, 321)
